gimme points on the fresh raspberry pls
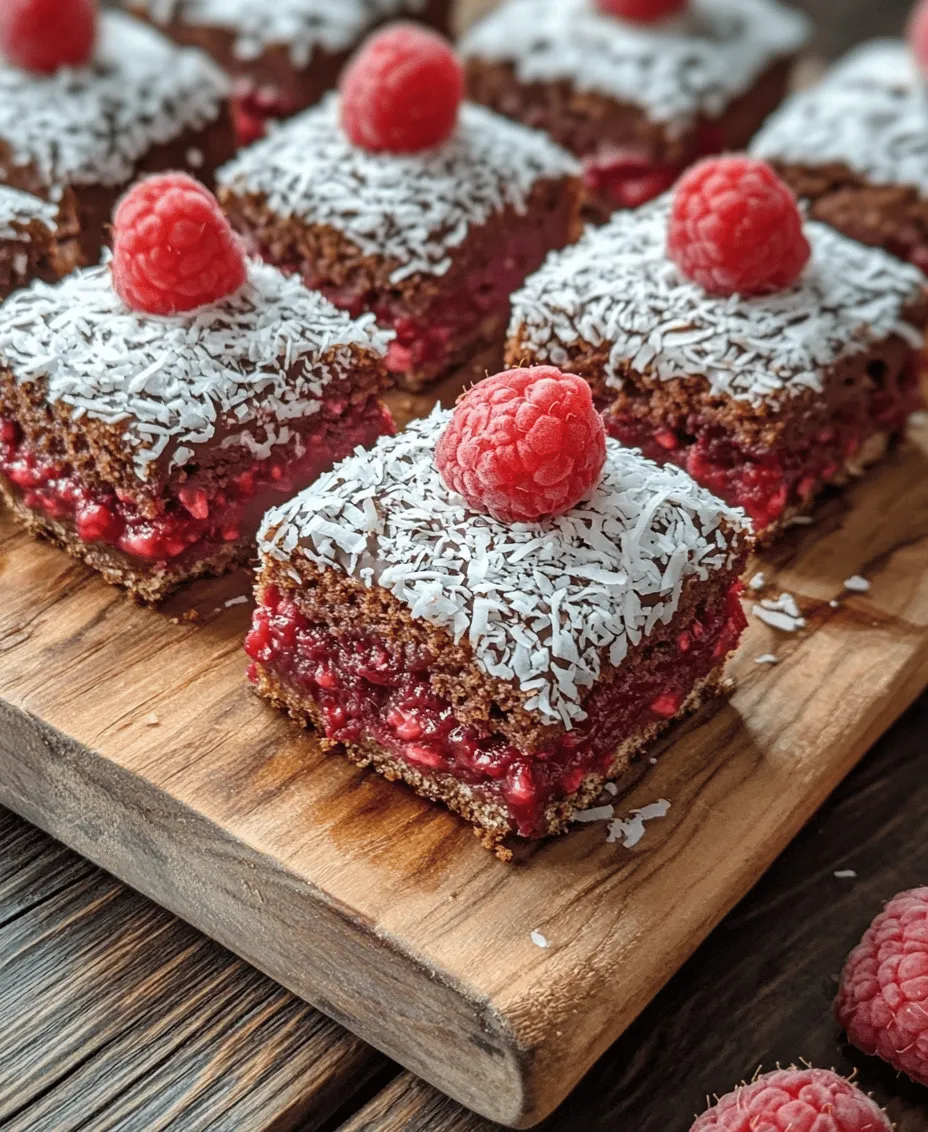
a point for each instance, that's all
(524, 445)
(735, 228)
(882, 1001)
(43, 35)
(173, 249)
(795, 1100)
(402, 92)
(917, 33)
(642, 11)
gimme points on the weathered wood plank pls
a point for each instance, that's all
(759, 990)
(383, 910)
(117, 1016)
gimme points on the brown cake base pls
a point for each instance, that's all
(397, 693)
(892, 217)
(37, 255)
(145, 584)
(491, 822)
(85, 211)
(629, 158)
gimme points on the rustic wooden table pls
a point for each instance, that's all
(114, 1015)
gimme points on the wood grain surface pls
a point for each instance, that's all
(132, 737)
(759, 990)
(115, 1015)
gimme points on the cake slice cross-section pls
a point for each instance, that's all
(855, 147)
(637, 101)
(763, 399)
(507, 670)
(149, 447)
(432, 243)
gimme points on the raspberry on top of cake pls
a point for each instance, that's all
(856, 147)
(148, 438)
(505, 667)
(430, 221)
(284, 54)
(79, 134)
(765, 395)
(639, 88)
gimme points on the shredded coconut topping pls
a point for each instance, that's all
(413, 210)
(869, 113)
(18, 210)
(676, 71)
(241, 368)
(302, 25)
(617, 288)
(91, 125)
(543, 605)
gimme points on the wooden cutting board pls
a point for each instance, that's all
(131, 735)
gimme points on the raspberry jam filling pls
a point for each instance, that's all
(366, 686)
(253, 107)
(195, 518)
(769, 482)
(627, 178)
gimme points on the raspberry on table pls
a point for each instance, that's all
(642, 11)
(524, 445)
(795, 1100)
(45, 35)
(882, 1000)
(402, 91)
(735, 228)
(173, 249)
(917, 34)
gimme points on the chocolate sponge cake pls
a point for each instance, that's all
(506, 670)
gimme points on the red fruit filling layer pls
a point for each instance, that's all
(427, 343)
(628, 176)
(367, 686)
(195, 517)
(253, 107)
(769, 482)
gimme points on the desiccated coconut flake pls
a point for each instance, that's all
(857, 584)
(632, 830)
(240, 600)
(779, 620)
(539, 940)
(757, 583)
(597, 813)
(846, 874)
(767, 658)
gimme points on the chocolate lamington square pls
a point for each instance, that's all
(80, 136)
(432, 243)
(29, 248)
(150, 447)
(507, 671)
(763, 400)
(637, 102)
(283, 54)
(855, 147)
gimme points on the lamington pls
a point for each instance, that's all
(283, 55)
(764, 398)
(506, 669)
(638, 99)
(855, 147)
(29, 248)
(80, 135)
(432, 236)
(149, 445)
